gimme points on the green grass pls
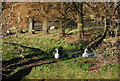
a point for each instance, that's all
(72, 68)
(11, 51)
(75, 68)
(109, 71)
(44, 44)
(54, 71)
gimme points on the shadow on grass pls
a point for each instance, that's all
(33, 54)
(18, 75)
(26, 63)
(25, 71)
(10, 65)
(72, 53)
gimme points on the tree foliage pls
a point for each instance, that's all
(17, 14)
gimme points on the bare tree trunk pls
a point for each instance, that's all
(108, 26)
(105, 27)
(80, 25)
(62, 22)
(30, 25)
(82, 30)
(45, 26)
(117, 28)
(62, 29)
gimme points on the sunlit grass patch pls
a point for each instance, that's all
(39, 54)
(76, 68)
(43, 43)
(66, 69)
(109, 71)
(14, 51)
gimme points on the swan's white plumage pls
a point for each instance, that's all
(56, 54)
(86, 54)
(12, 28)
(22, 56)
(52, 27)
(8, 31)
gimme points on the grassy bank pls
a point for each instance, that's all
(39, 62)
(42, 65)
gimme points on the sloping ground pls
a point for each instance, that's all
(74, 69)
(39, 63)
(32, 57)
(42, 43)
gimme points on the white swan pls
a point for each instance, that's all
(22, 56)
(52, 27)
(8, 31)
(12, 28)
(86, 54)
(56, 54)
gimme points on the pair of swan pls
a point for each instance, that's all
(85, 54)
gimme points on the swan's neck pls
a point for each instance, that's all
(85, 51)
(56, 51)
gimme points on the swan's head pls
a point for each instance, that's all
(14, 27)
(56, 49)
